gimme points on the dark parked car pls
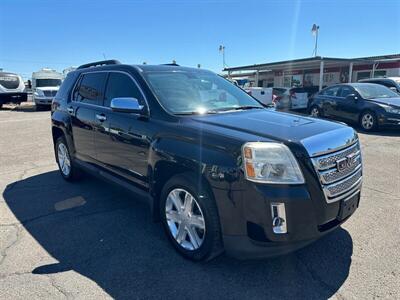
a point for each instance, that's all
(219, 170)
(392, 83)
(370, 105)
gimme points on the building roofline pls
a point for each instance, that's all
(313, 59)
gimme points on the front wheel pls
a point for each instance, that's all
(368, 121)
(190, 218)
(315, 112)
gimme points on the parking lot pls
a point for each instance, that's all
(94, 240)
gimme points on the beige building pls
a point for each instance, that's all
(317, 71)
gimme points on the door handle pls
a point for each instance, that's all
(101, 117)
(70, 110)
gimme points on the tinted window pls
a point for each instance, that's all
(332, 91)
(91, 88)
(121, 85)
(66, 86)
(346, 90)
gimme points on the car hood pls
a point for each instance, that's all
(316, 135)
(395, 101)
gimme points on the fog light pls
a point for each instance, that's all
(278, 218)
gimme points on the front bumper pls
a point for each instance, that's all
(43, 100)
(389, 120)
(307, 218)
(13, 97)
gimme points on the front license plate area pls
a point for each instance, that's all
(348, 207)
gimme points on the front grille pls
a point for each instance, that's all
(49, 93)
(340, 173)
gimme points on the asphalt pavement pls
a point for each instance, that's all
(94, 240)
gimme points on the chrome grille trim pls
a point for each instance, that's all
(332, 175)
(338, 185)
(329, 161)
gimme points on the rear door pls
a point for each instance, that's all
(123, 147)
(86, 98)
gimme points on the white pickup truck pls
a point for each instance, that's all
(264, 95)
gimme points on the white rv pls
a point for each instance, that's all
(12, 89)
(45, 84)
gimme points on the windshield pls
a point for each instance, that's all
(182, 92)
(48, 82)
(370, 91)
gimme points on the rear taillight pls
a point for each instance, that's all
(276, 98)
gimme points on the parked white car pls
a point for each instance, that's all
(289, 98)
(45, 84)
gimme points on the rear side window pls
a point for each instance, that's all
(332, 91)
(66, 86)
(91, 88)
(121, 85)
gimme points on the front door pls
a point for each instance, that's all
(123, 147)
(87, 95)
(347, 108)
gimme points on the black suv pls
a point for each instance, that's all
(368, 104)
(219, 170)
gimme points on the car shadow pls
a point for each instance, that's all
(101, 232)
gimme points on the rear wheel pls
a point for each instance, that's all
(190, 218)
(368, 121)
(65, 164)
(315, 111)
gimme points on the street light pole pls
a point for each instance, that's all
(314, 31)
(222, 50)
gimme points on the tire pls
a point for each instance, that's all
(196, 240)
(368, 121)
(315, 111)
(66, 165)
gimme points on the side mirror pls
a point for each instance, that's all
(351, 97)
(127, 105)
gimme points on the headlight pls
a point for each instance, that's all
(39, 93)
(391, 109)
(271, 163)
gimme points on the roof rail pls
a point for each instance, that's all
(171, 64)
(100, 63)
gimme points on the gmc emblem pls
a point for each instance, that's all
(344, 163)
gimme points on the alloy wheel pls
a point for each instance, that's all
(64, 161)
(315, 112)
(185, 219)
(367, 121)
